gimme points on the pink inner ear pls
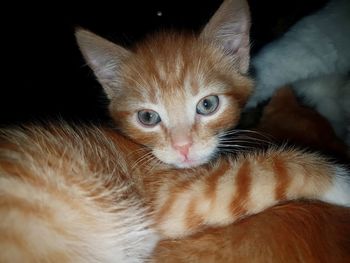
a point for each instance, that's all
(232, 45)
(229, 27)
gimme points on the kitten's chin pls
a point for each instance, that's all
(189, 164)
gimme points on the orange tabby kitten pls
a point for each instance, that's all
(292, 232)
(88, 194)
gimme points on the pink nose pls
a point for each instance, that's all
(183, 149)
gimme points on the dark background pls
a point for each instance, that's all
(44, 75)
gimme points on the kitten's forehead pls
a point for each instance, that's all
(170, 64)
(175, 71)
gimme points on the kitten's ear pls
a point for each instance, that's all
(229, 27)
(104, 58)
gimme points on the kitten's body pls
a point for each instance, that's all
(292, 232)
(68, 194)
(74, 194)
(314, 56)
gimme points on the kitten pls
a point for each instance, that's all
(292, 232)
(89, 194)
(313, 56)
(74, 194)
(183, 91)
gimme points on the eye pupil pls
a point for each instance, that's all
(148, 116)
(206, 104)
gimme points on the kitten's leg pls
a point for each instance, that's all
(232, 189)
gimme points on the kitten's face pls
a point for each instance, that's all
(177, 93)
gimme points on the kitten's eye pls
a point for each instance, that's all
(207, 105)
(148, 117)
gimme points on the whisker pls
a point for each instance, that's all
(254, 139)
(237, 144)
(235, 149)
(140, 161)
(138, 151)
(234, 140)
(245, 137)
(241, 131)
(153, 163)
(237, 141)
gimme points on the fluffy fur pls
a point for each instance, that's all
(170, 73)
(292, 232)
(313, 56)
(67, 195)
(79, 190)
(89, 194)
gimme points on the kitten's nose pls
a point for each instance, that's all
(183, 148)
(181, 139)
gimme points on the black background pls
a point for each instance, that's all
(43, 74)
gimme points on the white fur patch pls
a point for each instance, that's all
(339, 193)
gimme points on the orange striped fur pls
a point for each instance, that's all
(67, 196)
(170, 73)
(79, 190)
(89, 194)
(242, 186)
(293, 232)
